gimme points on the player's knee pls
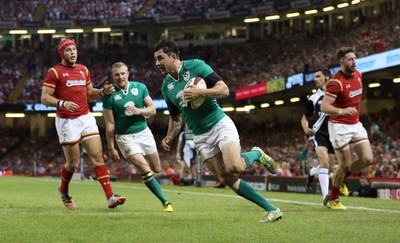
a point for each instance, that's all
(368, 160)
(236, 168)
(98, 159)
(157, 169)
(345, 168)
(72, 164)
(324, 164)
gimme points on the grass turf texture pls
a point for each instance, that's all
(32, 211)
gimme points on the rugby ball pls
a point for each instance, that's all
(200, 83)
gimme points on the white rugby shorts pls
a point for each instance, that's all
(73, 130)
(210, 143)
(343, 135)
(136, 143)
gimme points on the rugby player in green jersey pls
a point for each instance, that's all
(215, 135)
(125, 113)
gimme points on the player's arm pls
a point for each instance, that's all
(47, 97)
(148, 110)
(110, 134)
(219, 90)
(304, 123)
(333, 88)
(94, 93)
(216, 88)
(174, 127)
(308, 111)
(328, 108)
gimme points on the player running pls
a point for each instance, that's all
(215, 135)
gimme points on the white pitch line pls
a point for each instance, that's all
(236, 196)
(285, 201)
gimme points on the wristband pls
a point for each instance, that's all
(102, 92)
(340, 111)
(61, 103)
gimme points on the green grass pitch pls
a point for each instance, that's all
(31, 211)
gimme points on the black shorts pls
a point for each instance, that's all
(323, 141)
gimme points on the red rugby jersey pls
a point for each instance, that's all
(347, 91)
(69, 84)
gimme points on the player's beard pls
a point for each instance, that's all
(350, 70)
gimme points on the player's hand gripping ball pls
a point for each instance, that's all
(199, 83)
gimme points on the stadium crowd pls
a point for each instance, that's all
(92, 9)
(235, 62)
(20, 10)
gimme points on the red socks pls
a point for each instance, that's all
(334, 193)
(101, 172)
(65, 179)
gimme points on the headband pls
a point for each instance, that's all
(64, 44)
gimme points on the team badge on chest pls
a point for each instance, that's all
(135, 91)
(186, 76)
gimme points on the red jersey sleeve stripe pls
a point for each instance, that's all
(49, 85)
(54, 71)
(331, 95)
(88, 76)
(340, 83)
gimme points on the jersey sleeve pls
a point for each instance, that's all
(107, 102)
(173, 110)
(50, 80)
(308, 108)
(212, 79)
(145, 90)
(333, 88)
(88, 80)
(204, 70)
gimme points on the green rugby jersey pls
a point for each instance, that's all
(205, 117)
(119, 100)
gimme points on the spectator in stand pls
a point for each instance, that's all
(67, 86)
(365, 189)
(387, 169)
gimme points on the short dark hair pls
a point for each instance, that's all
(325, 71)
(343, 51)
(168, 46)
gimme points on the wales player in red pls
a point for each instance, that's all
(68, 87)
(342, 102)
